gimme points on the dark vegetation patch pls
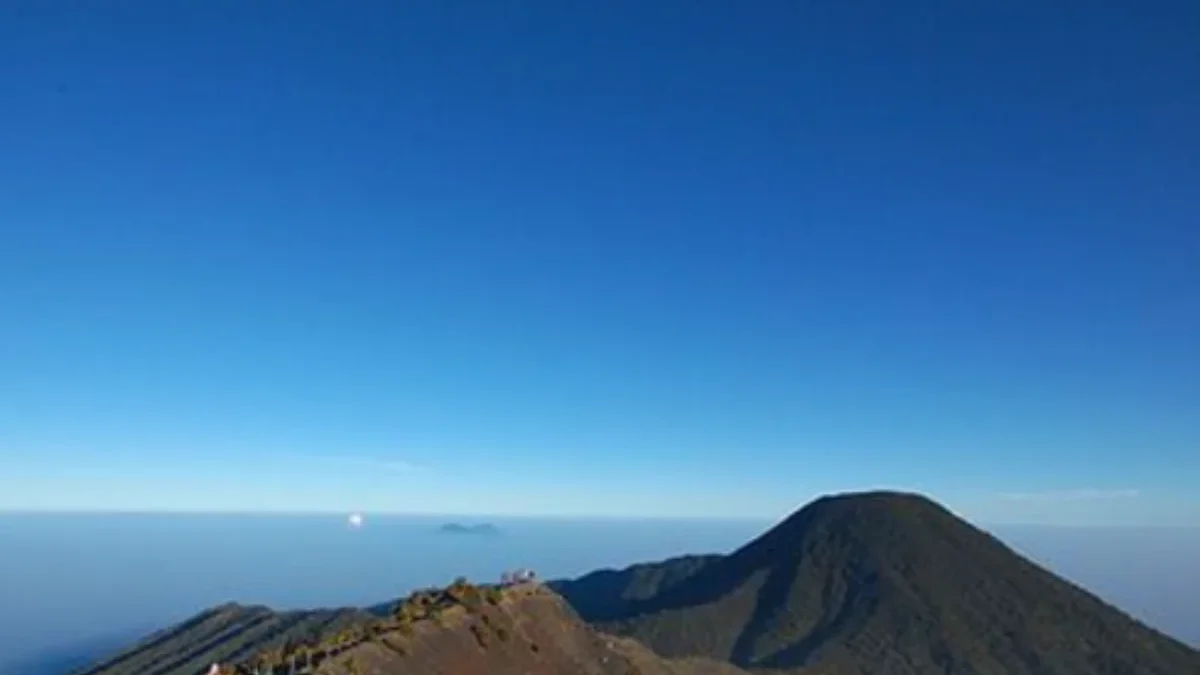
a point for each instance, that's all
(876, 583)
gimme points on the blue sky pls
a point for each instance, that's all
(701, 258)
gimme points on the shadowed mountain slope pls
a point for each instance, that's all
(608, 592)
(881, 583)
(225, 633)
(460, 630)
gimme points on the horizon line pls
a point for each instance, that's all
(341, 514)
(76, 511)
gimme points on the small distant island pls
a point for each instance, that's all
(459, 528)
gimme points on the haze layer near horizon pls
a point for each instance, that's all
(78, 586)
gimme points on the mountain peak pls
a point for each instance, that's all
(877, 519)
(852, 581)
(877, 498)
(873, 504)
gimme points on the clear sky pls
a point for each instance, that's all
(699, 258)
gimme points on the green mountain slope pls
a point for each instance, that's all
(225, 633)
(607, 593)
(885, 584)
